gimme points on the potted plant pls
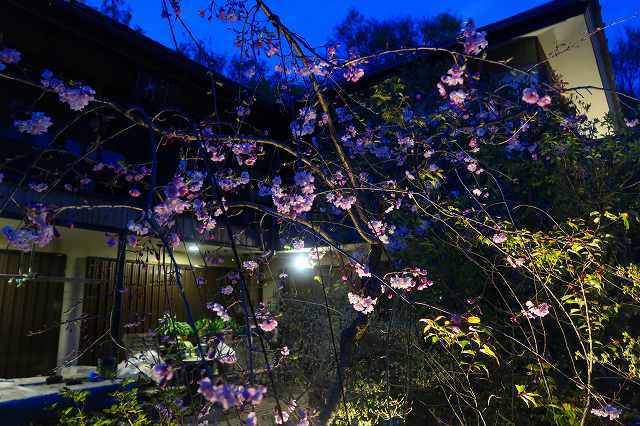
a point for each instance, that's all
(177, 333)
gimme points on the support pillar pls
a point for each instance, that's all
(73, 293)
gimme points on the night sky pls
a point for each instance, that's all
(315, 20)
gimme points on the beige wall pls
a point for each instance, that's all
(571, 54)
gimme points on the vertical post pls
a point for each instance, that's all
(70, 322)
(116, 311)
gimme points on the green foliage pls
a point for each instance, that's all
(207, 326)
(467, 335)
(370, 402)
(170, 326)
(74, 414)
(390, 98)
(126, 409)
(569, 215)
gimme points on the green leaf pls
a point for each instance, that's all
(488, 351)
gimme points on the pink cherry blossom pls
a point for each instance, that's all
(499, 238)
(362, 304)
(230, 395)
(544, 101)
(530, 96)
(341, 200)
(457, 97)
(454, 76)
(77, 96)
(381, 230)
(37, 229)
(353, 73)
(401, 282)
(631, 122)
(268, 324)
(534, 310)
(474, 41)
(219, 310)
(38, 124)
(250, 265)
(162, 373)
(515, 262)
(607, 411)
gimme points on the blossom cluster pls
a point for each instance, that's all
(267, 322)
(413, 278)
(607, 411)
(305, 124)
(77, 95)
(250, 265)
(174, 240)
(381, 230)
(341, 200)
(535, 311)
(37, 231)
(361, 269)
(246, 152)
(297, 200)
(204, 220)
(162, 373)
(176, 201)
(281, 416)
(532, 97)
(227, 181)
(474, 41)
(139, 228)
(38, 186)
(132, 174)
(219, 310)
(9, 56)
(362, 304)
(231, 395)
(631, 122)
(38, 124)
(353, 73)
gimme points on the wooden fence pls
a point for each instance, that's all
(150, 291)
(29, 314)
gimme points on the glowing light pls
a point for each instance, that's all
(193, 248)
(301, 262)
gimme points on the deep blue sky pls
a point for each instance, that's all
(315, 20)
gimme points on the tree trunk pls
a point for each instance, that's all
(349, 338)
